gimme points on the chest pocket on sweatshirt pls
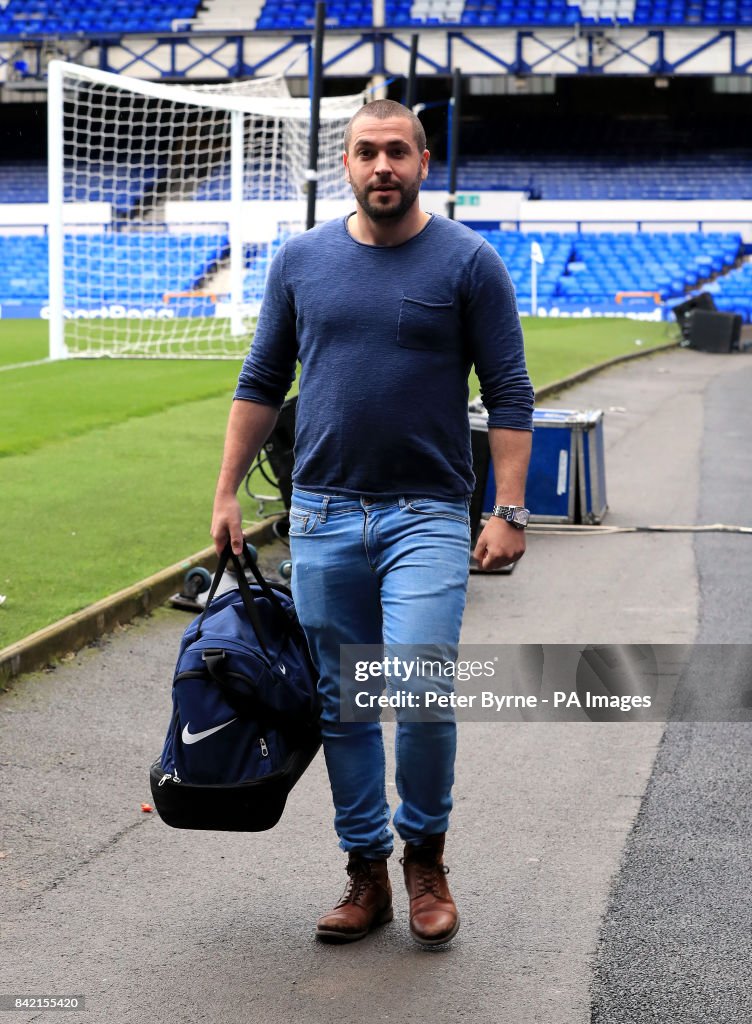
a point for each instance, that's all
(430, 326)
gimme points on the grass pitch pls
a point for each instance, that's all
(107, 467)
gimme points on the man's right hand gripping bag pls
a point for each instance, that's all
(244, 723)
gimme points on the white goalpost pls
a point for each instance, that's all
(167, 204)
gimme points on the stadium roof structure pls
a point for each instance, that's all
(590, 46)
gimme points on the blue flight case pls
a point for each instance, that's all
(566, 481)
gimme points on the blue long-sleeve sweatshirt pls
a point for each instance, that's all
(386, 337)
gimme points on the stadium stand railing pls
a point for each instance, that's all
(732, 292)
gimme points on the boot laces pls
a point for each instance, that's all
(429, 875)
(358, 882)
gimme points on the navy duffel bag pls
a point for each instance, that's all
(244, 723)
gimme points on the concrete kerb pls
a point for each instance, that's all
(70, 634)
(576, 378)
(75, 631)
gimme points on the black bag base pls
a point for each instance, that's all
(253, 806)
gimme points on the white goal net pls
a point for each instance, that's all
(167, 204)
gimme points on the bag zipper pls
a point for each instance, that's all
(263, 746)
(263, 781)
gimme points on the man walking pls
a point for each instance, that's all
(386, 310)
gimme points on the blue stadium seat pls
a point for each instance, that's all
(589, 270)
(718, 176)
(91, 16)
(281, 15)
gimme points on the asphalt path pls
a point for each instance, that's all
(600, 868)
(676, 942)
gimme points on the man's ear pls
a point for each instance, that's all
(424, 164)
(347, 169)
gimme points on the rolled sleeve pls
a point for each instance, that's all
(496, 342)
(269, 368)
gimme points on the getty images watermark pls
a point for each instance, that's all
(546, 682)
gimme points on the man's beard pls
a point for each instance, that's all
(408, 195)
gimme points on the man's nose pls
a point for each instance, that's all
(382, 164)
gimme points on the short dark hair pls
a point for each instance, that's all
(382, 109)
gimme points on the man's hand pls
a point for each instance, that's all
(499, 544)
(248, 427)
(227, 523)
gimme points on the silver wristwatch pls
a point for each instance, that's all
(514, 514)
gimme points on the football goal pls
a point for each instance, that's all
(167, 204)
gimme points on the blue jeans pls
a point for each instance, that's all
(372, 571)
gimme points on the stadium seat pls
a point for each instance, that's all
(99, 266)
(580, 270)
(345, 14)
(589, 270)
(92, 16)
(722, 175)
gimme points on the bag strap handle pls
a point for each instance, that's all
(263, 583)
(245, 593)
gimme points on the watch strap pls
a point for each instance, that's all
(509, 513)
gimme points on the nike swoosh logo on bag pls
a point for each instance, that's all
(194, 737)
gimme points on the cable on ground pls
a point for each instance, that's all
(585, 529)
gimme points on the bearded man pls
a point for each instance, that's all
(386, 310)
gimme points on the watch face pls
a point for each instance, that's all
(521, 517)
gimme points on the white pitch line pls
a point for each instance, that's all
(22, 366)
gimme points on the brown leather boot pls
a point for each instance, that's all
(433, 913)
(366, 902)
